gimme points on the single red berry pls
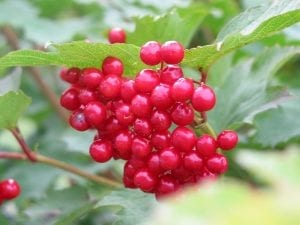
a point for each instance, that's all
(112, 126)
(142, 127)
(227, 139)
(128, 91)
(182, 114)
(129, 170)
(95, 113)
(122, 144)
(192, 161)
(78, 121)
(160, 120)
(204, 98)
(116, 35)
(217, 164)
(9, 189)
(112, 65)
(145, 180)
(182, 90)
(141, 147)
(172, 52)
(69, 99)
(110, 86)
(183, 139)
(170, 74)
(206, 145)
(124, 114)
(169, 158)
(153, 163)
(150, 53)
(166, 185)
(91, 78)
(71, 75)
(161, 140)
(146, 80)
(141, 106)
(161, 97)
(128, 182)
(101, 151)
(86, 96)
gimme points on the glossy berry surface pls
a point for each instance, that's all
(150, 53)
(91, 78)
(182, 90)
(112, 65)
(101, 151)
(217, 164)
(169, 158)
(71, 75)
(95, 113)
(146, 81)
(78, 121)
(170, 74)
(9, 189)
(172, 52)
(206, 145)
(116, 35)
(183, 139)
(145, 180)
(69, 99)
(203, 99)
(227, 139)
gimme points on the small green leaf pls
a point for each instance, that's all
(179, 24)
(12, 105)
(250, 26)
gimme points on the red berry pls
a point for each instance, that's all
(129, 170)
(142, 127)
(160, 120)
(110, 87)
(71, 75)
(146, 80)
(166, 185)
(128, 182)
(182, 174)
(141, 147)
(182, 114)
(150, 53)
(122, 144)
(192, 161)
(95, 113)
(112, 65)
(217, 164)
(170, 74)
(128, 91)
(161, 140)
(137, 163)
(144, 180)
(112, 126)
(183, 139)
(141, 106)
(69, 99)
(182, 90)
(153, 163)
(116, 35)
(169, 158)
(101, 151)
(206, 145)
(9, 189)
(124, 114)
(86, 96)
(91, 77)
(78, 121)
(204, 98)
(172, 52)
(227, 139)
(161, 97)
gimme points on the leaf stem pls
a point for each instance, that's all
(203, 75)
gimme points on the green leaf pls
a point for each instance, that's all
(179, 24)
(246, 88)
(135, 205)
(12, 105)
(80, 54)
(252, 25)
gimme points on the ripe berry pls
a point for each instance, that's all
(86, 96)
(172, 52)
(112, 65)
(217, 164)
(91, 77)
(71, 75)
(183, 139)
(9, 189)
(204, 98)
(128, 182)
(141, 147)
(110, 87)
(112, 126)
(101, 151)
(160, 120)
(78, 121)
(69, 99)
(170, 74)
(141, 106)
(182, 90)
(142, 127)
(116, 35)
(153, 163)
(122, 144)
(128, 91)
(182, 114)
(161, 140)
(124, 114)
(166, 185)
(95, 113)
(192, 161)
(227, 139)
(144, 180)
(129, 170)
(182, 174)
(206, 145)
(161, 97)
(137, 163)
(169, 158)
(150, 53)
(146, 80)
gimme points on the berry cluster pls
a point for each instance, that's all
(9, 189)
(147, 121)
